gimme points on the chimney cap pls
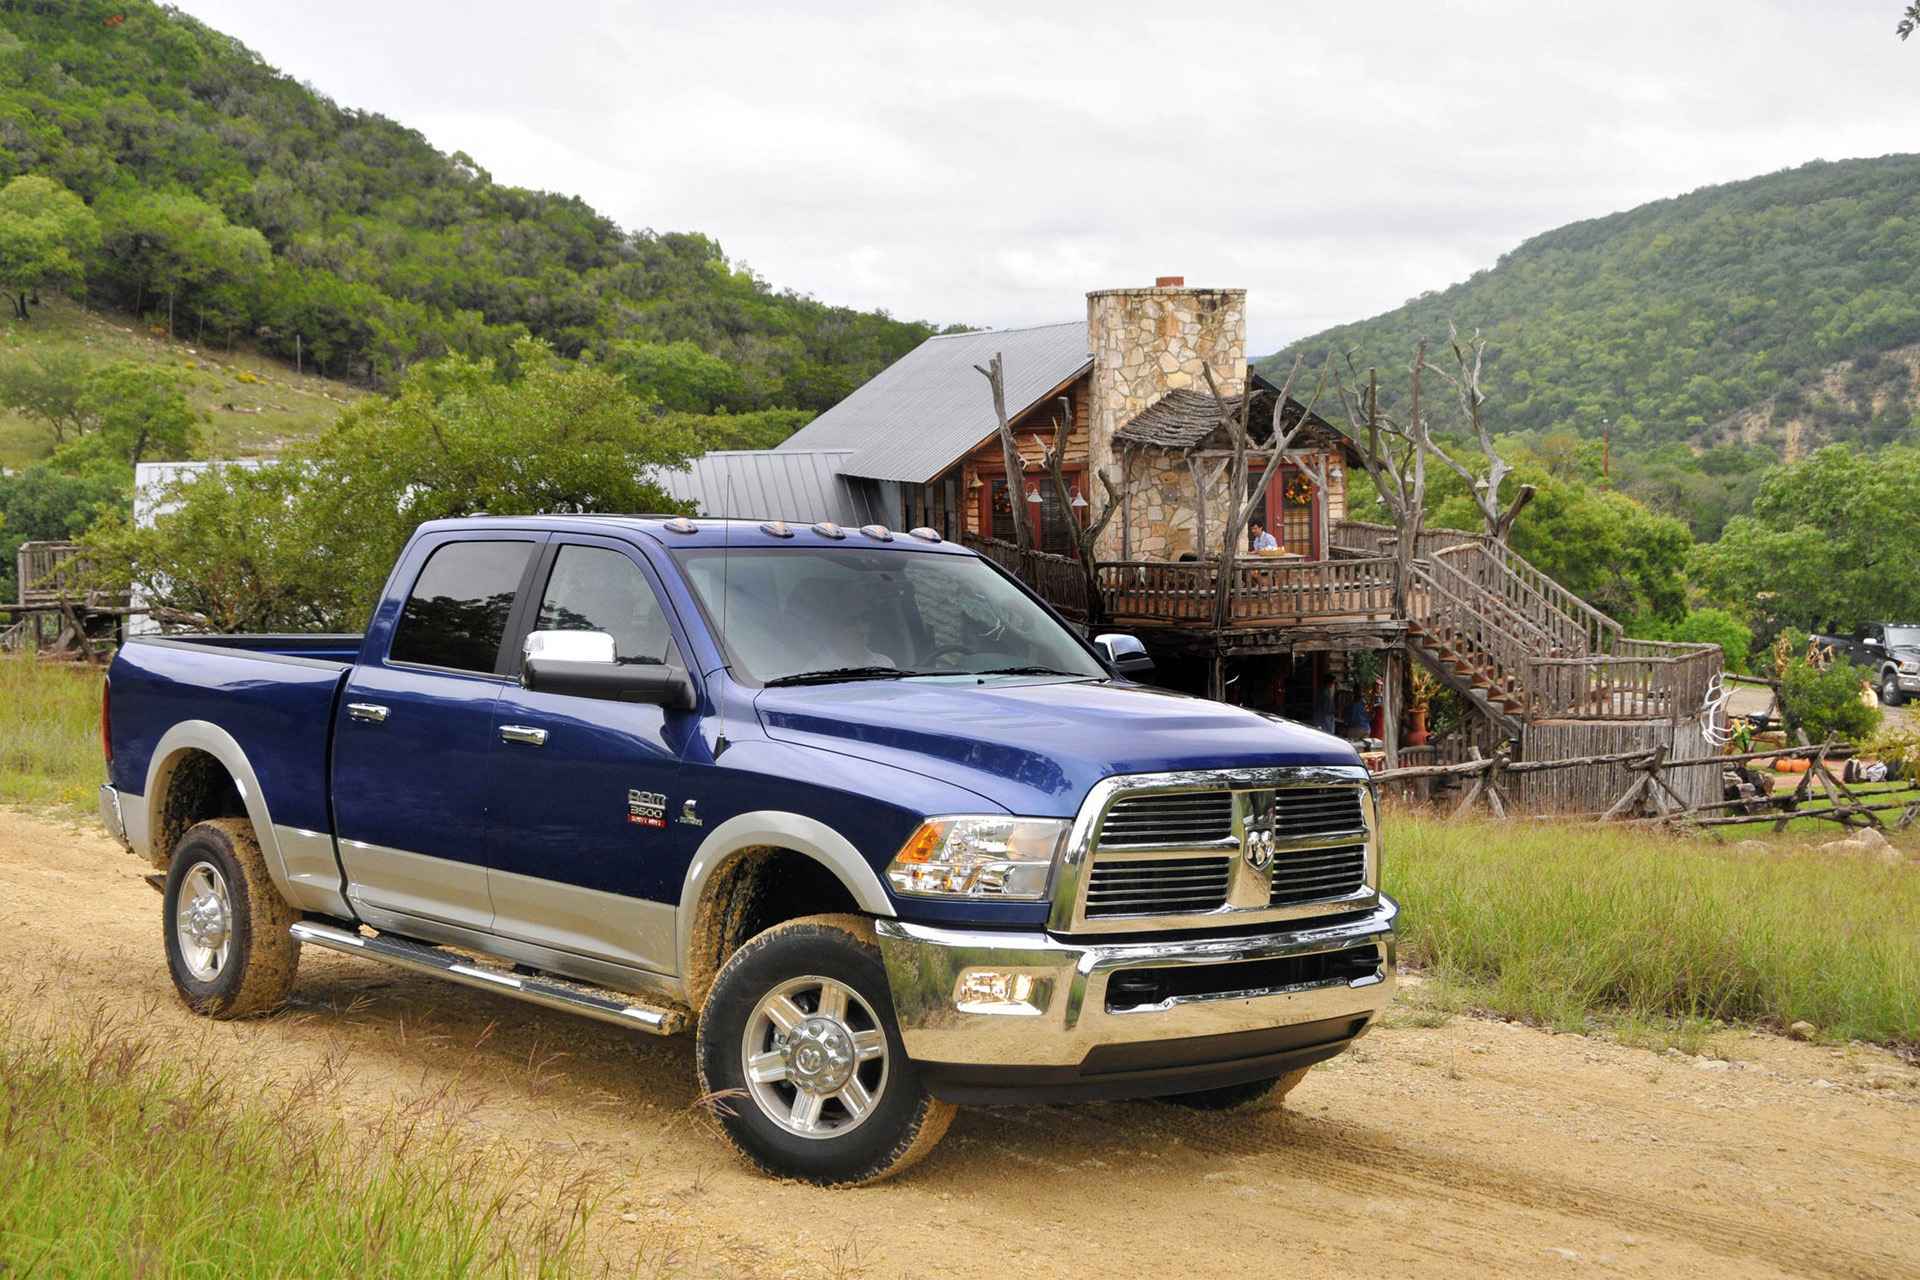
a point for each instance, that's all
(1169, 282)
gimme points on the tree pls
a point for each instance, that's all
(1833, 541)
(679, 375)
(45, 233)
(47, 387)
(1086, 535)
(307, 543)
(1395, 456)
(183, 247)
(142, 411)
(994, 371)
(1242, 502)
(1465, 381)
(1908, 21)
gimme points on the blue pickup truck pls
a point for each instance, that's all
(887, 830)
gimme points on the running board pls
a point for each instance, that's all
(551, 992)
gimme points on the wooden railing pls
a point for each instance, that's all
(1056, 579)
(44, 568)
(1652, 681)
(1264, 591)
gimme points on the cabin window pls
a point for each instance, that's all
(1055, 525)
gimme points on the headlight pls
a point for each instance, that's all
(1910, 668)
(984, 857)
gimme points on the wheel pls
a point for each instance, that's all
(226, 926)
(1242, 1097)
(1890, 694)
(798, 1041)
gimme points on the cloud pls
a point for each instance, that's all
(988, 164)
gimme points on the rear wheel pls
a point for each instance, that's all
(1242, 1097)
(1890, 693)
(226, 927)
(799, 1048)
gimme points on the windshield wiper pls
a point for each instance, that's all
(1031, 671)
(831, 675)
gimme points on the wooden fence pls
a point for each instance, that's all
(43, 572)
(1652, 794)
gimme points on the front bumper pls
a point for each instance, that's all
(1907, 683)
(1024, 1017)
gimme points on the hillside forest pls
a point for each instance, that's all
(1715, 396)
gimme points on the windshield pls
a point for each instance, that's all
(794, 615)
(1903, 637)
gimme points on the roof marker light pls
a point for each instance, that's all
(776, 529)
(828, 529)
(680, 524)
(924, 534)
(878, 532)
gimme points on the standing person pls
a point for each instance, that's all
(1262, 540)
(1324, 717)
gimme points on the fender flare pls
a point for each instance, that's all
(205, 736)
(780, 830)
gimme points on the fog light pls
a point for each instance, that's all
(993, 991)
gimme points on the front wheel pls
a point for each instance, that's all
(227, 928)
(799, 1048)
(1890, 694)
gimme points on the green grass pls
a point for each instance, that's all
(1586, 927)
(118, 1160)
(253, 405)
(50, 753)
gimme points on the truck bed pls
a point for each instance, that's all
(272, 694)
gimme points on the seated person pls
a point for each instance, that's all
(1262, 540)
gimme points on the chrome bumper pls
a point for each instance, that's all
(110, 814)
(984, 1005)
(1907, 683)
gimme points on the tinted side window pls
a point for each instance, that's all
(457, 613)
(594, 589)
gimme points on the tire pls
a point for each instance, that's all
(225, 925)
(1251, 1096)
(839, 1104)
(1890, 694)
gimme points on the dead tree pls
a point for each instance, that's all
(994, 372)
(1242, 500)
(1395, 456)
(1465, 381)
(1084, 536)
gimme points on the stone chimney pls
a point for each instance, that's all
(1147, 342)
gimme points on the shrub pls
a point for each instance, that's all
(1820, 695)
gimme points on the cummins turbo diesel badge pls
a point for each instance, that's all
(648, 808)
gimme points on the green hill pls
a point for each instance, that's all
(1775, 312)
(384, 251)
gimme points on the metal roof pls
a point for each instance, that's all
(928, 409)
(801, 486)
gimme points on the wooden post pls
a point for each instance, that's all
(1390, 705)
(1217, 675)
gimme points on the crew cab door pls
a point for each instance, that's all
(414, 741)
(590, 835)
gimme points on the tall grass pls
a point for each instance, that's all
(117, 1161)
(49, 734)
(1568, 924)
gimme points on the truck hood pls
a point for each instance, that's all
(1036, 746)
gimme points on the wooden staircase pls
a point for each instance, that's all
(1479, 616)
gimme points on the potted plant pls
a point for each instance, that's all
(1422, 685)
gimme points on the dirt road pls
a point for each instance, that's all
(1477, 1148)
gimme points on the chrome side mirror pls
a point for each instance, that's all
(569, 646)
(1125, 654)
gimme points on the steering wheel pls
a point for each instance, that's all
(956, 650)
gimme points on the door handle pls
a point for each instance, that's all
(371, 712)
(523, 733)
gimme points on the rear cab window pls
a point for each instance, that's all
(456, 616)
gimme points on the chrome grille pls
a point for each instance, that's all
(1157, 886)
(1311, 874)
(1169, 818)
(1313, 811)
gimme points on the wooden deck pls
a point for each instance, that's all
(1520, 645)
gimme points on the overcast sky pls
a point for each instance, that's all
(988, 164)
